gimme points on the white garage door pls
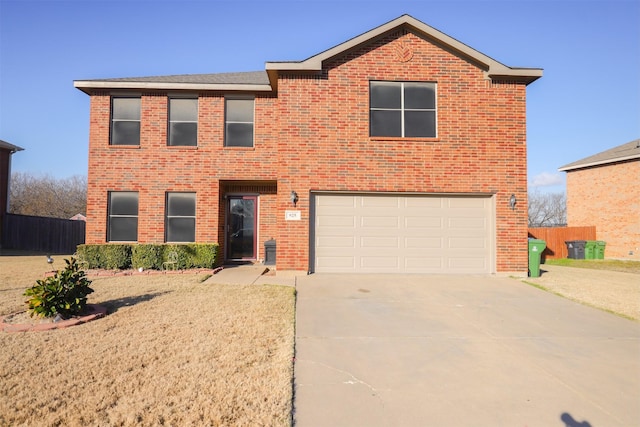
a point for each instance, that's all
(402, 234)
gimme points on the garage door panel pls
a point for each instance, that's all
(462, 243)
(332, 221)
(378, 263)
(379, 202)
(413, 222)
(336, 263)
(418, 264)
(391, 233)
(336, 242)
(423, 242)
(465, 202)
(465, 223)
(467, 263)
(422, 202)
(335, 201)
(379, 242)
(379, 222)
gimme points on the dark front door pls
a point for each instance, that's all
(241, 227)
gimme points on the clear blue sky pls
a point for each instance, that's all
(588, 100)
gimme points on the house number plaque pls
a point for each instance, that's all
(292, 216)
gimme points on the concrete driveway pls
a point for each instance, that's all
(388, 350)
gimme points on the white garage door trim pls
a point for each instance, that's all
(402, 233)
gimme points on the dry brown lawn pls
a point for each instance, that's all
(173, 351)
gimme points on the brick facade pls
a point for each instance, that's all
(608, 196)
(312, 134)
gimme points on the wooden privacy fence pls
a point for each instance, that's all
(557, 236)
(36, 233)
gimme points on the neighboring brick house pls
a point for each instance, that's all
(396, 151)
(604, 190)
(6, 150)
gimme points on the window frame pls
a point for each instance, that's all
(403, 110)
(170, 121)
(111, 216)
(167, 217)
(227, 121)
(114, 120)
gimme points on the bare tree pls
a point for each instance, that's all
(44, 195)
(547, 209)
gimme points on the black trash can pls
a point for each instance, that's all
(576, 248)
(270, 252)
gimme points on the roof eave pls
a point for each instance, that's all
(88, 85)
(11, 147)
(495, 69)
(568, 168)
(525, 75)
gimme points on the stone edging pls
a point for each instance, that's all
(94, 312)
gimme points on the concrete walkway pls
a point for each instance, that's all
(388, 350)
(251, 274)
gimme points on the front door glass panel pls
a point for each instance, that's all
(241, 227)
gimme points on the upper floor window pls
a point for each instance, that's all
(183, 121)
(125, 121)
(402, 109)
(180, 223)
(123, 216)
(238, 122)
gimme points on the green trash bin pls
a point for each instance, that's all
(536, 247)
(590, 249)
(599, 251)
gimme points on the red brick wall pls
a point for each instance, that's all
(153, 168)
(315, 136)
(609, 198)
(481, 144)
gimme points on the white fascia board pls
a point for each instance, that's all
(599, 163)
(93, 84)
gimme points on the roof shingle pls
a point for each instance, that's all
(243, 78)
(628, 151)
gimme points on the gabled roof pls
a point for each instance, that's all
(249, 81)
(266, 81)
(494, 69)
(13, 148)
(624, 152)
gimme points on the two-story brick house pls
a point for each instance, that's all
(603, 191)
(396, 151)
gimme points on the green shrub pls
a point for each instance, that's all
(205, 255)
(91, 255)
(65, 293)
(147, 256)
(116, 256)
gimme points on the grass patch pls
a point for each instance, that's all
(560, 294)
(172, 351)
(598, 264)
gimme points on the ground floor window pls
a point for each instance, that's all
(123, 216)
(180, 223)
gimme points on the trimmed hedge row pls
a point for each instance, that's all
(148, 256)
